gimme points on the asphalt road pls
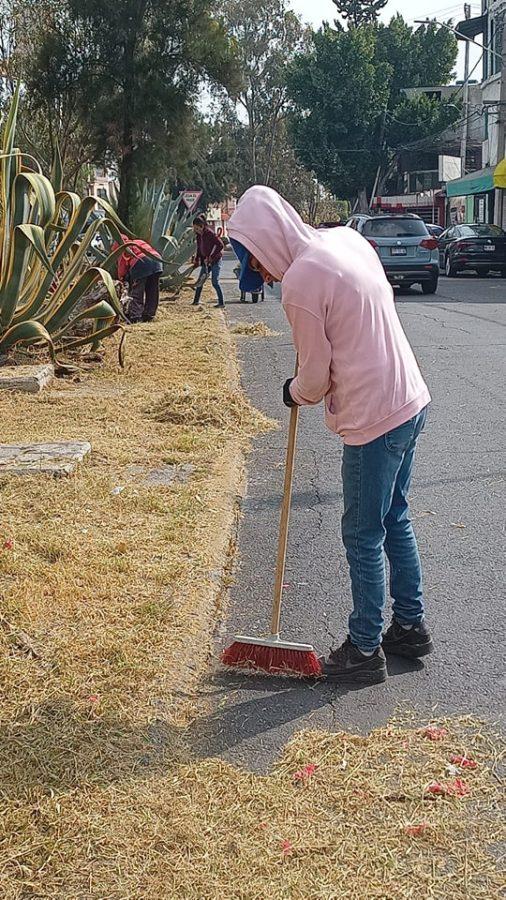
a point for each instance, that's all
(458, 502)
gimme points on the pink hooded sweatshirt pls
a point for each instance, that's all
(353, 352)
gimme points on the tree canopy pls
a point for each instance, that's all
(135, 68)
(350, 116)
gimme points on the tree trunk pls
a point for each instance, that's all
(127, 161)
(363, 201)
(126, 183)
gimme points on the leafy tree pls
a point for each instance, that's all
(339, 90)
(350, 115)
(267, 35)
(32, 32)
(136, 77)
(214, 160)
(418, 57)
(360, 12)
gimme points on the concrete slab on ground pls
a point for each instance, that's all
(53, 458)
(27, 379)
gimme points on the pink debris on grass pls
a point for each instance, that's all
(305, 773)
(433, 733)
(463, 761)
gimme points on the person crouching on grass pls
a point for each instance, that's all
(209, 257)
(140, 267)
(353, 355)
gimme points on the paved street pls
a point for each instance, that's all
(458, 502)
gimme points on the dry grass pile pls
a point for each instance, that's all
(253, 329)
(391, 816)
(227, 411)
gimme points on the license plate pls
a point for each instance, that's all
(398, 251)
(489, 247)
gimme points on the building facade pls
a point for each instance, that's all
(482, 193)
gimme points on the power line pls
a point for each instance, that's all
(432, 138)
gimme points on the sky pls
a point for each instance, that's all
(314, 11)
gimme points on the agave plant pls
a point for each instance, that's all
(159, 220)
(45, 238)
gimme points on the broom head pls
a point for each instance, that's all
(272, 656)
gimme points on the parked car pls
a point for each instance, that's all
(435, 230)
(408, 252)
(478, 247)
(358, 221)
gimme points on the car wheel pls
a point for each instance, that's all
(430, 287)
(450, 270)
(482, 273)
(503, 273)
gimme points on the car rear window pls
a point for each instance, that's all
(394, 228)
(481, 231)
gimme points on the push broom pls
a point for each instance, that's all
(271, 654)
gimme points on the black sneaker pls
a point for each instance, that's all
(412, 642)
(348, 665)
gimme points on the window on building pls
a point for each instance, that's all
(494, 43)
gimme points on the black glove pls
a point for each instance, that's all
(287, 397)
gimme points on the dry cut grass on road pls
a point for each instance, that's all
(385, 817)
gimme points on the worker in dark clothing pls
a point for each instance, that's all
(209, 256)
(140, 265)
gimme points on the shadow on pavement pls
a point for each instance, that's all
(249, 706)
(398, 665)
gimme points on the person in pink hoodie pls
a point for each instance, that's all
(353, 356)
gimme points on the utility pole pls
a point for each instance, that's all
(465, 124)
(499, 212)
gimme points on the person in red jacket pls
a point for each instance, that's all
(209, 256)
(140, 265)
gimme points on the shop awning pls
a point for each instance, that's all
(475, 183)
(500, 174)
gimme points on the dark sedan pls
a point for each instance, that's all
(478, 247)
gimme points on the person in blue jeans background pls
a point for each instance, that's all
(209, 256)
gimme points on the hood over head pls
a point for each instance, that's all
(270, 229)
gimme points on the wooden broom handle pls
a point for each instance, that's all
(285, 517)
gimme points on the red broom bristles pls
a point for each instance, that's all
(274, 660)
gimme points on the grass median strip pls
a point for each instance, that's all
(114, 579)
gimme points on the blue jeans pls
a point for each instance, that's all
(376, 482)
(215, 281)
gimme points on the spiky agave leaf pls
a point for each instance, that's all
(27, 333)
(57, 169)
